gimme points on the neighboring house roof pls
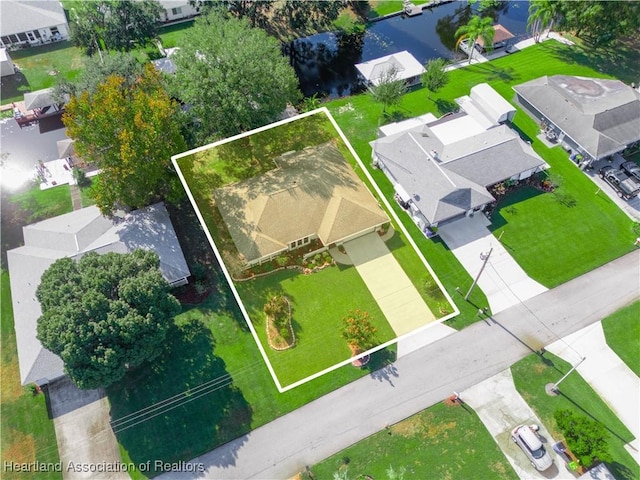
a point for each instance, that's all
(41, 98)
(500, 34)
(403, 63)
(444, 166)
(445, 180)
(311, 192)
(602, 116)
(24, 16)
(72, 235)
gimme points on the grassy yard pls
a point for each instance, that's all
(27, 432)
(318, 304)
(41, 67)
(380, 8)
(595, 228)
(442, 441)
(622, 331)
(41, 204)
(532, 373)
(213, 365)
(170, 34)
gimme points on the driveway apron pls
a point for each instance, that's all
(501, 409)
(390, 286)
(503, 281)
(84, 435)
(609, 376)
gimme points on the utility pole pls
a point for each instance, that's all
(475, 281)
(552, 389)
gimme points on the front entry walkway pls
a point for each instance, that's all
(398, 299)
(503, 281)
(501, 408)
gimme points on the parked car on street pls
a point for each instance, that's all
(528, 441)
(624, 186)
(631, 169)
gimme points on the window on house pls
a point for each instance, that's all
(22, 37)
(5, 40)
(292, 244)
(36, 33)
(176, 11)
(54, 30)
(305, 240)
(31, 37)
(13, 39)
(299, 242)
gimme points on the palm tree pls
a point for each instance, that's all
(542, 15)
(476, 28)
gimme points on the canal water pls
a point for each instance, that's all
(325, 62)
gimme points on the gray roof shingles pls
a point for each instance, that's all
(73, 235)
(600, 115)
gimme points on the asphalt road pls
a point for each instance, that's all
(306, 436)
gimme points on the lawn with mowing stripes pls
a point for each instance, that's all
(590, 233)
(443, 441)
(318, 302)
(530, 376)
(622, 331)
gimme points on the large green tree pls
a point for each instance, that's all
(104, 314)
(435, 76)
(130, 131)
(478, 27)
(114, 24)
(233, 77)
(96, 70)
(388, 90)
(601, 22)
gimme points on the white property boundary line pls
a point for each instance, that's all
(390, 210)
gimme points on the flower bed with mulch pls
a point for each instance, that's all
(277, 341)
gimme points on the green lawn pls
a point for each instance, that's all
(622, 331)
(530, 376)
(41, 67)
(170, 34)
(212, 347)
(27, 431)
(442, 441)
(379, 8)
(604, 231)
(318, 304)
(41, 204)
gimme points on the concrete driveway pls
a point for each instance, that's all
(503, 281)
(392, 289)
(501, 409)
(609, 376)
(83, 432)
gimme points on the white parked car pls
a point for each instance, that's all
(531, 445)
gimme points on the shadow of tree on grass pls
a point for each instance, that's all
(182, 404)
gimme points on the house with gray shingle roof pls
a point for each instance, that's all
(32, 22)
(441, 169)
(595, 117)
(311, 194)
(72, 235)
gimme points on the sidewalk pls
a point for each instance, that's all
(609, 376)
(501, 409)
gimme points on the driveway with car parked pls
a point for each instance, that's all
(632, 206)
(502, 409)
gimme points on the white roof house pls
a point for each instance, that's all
(6, 65)
(32, 22)
(405, 66)
(72, 235)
